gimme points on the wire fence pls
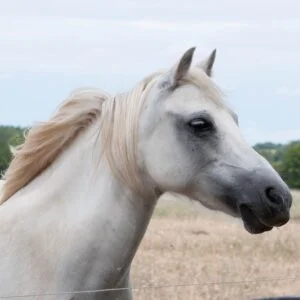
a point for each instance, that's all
(162, 286)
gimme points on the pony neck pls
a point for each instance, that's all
(81, 193)
(80, 171)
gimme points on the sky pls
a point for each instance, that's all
(48, 48)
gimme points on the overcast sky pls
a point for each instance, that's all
(48, 48)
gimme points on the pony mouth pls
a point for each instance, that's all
(251, 222)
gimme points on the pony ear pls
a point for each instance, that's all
(207, 64)
(179, 71)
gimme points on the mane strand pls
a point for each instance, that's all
(46, 140)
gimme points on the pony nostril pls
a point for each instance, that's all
(273, 196)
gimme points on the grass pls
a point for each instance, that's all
(296, 205)
(186, 244)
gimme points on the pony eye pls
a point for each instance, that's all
(201, 125)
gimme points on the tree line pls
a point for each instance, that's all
(285, 158)
(9, 136)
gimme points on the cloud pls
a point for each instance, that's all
(90, 45)
(4, 75)
(156, 9)
(255, 133)
(116, 43)
(56, 44)
(288, 91)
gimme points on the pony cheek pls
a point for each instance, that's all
(167, 175)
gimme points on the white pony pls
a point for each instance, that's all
(80, 191)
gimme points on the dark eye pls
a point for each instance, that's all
(201, 125)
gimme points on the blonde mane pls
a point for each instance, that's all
(46, 140)
(118, 129)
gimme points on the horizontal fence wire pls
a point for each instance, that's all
(162, 286)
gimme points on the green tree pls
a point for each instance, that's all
(290, 167)
(9, 136)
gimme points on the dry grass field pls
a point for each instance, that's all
(185, 244)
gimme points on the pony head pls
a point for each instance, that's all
(190, 143)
